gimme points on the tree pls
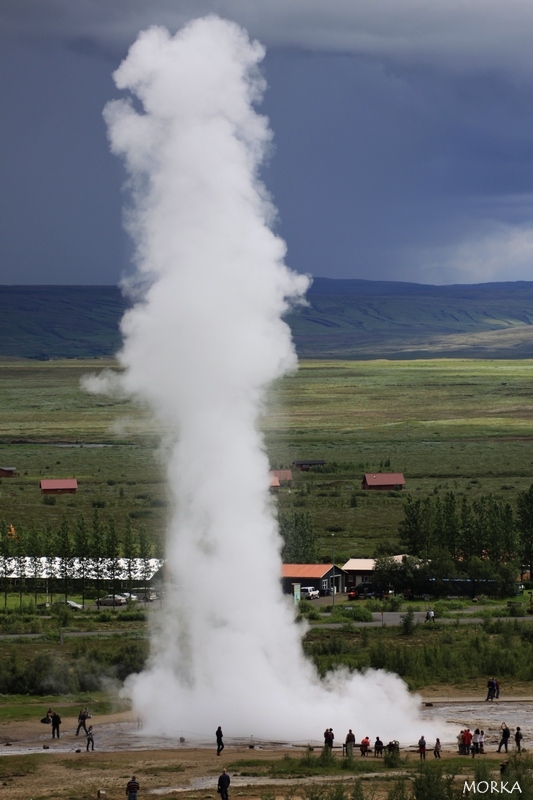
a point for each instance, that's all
(524, 503)
(129, 548)
(64, 550)
(83, 553)
(299, 538)
(49, 552)
(6, 558)
(145, 552)
(97, 551)
(34, 551)
(412, 529)
(449, 537)
(19, 552)
(111, 545)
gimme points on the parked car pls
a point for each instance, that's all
(131, 598)
(112, 600)
(365, 591)
(68, 603)
(146, 594)
(309, 593)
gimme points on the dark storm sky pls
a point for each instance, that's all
(403, 135)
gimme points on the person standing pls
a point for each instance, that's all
(437, 748)
(90, 738)
(223, 785)
(467, 739)
(491, 689)
(422, 748)
(518, 739)
(220, 743)
(132, 788)
(504, 741)
(83, 716)
(350, 741)
(481, 742)
(56, 722)
(328, 738)
(378, 747)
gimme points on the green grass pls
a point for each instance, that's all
(460, 425)
(20, 766)
(21, 708)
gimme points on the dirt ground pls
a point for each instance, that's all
(31, 772)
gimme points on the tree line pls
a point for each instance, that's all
(484, 541)
(88, 553)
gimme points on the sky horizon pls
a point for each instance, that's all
(402, 147)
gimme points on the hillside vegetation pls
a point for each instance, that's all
(348, 319)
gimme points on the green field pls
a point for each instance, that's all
(458, 425)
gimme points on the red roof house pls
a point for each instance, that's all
(60, 486)
(283, 475)
(383, 480)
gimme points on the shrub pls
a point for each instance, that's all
(407, 622)
(49, 500)
(358, 613)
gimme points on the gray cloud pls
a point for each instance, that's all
(484, 34)
(403, 144)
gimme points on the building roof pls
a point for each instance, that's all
(360, 564)
(305, 570)
(274, 481)
(9, 469)
(64, 483)
(384, 479)
(282, 474)
(365, 564)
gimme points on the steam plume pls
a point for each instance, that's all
(200, 348)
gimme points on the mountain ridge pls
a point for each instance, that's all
(342, 318)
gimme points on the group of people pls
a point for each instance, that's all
(53, 718)
(364, 746)
(422, 748)
(469, 743)
(493, 689)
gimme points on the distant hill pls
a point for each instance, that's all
(343, 319)
(383, 319)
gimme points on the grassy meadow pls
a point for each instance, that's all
(460, 425)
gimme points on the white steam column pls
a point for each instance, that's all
(201, 348)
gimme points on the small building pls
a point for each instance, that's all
(59, 486)
(274, 483)
(359, 570)
(319, 576)
(305, 465)
(8, 472)
(284, 476)
(383, 481)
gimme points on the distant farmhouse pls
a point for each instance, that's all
(59, 486)
(284, 476)
(383, 480)
(319, 576)
(359, 570)
(304, 466)
(8, 472)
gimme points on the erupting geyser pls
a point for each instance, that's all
(201, 348)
